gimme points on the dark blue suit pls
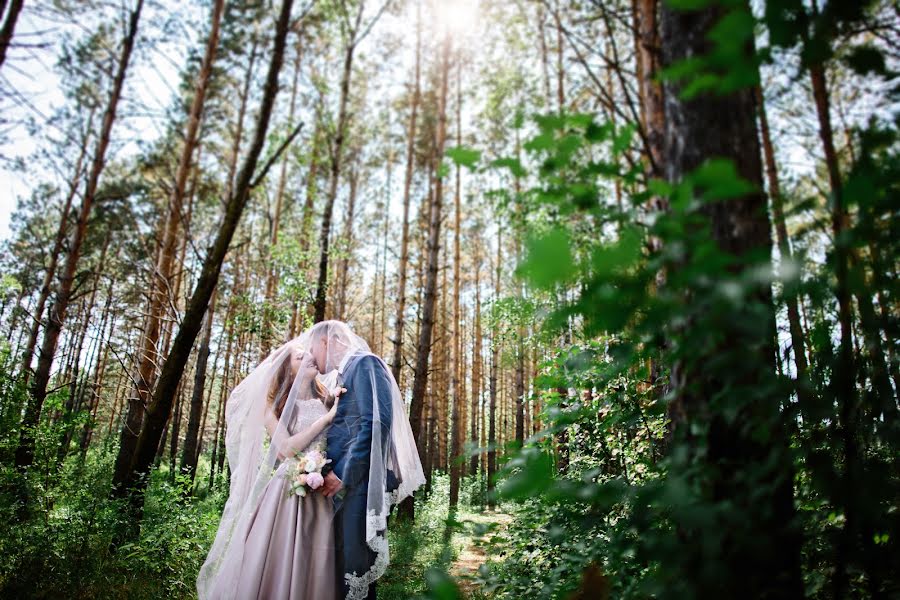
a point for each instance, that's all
(349, 448)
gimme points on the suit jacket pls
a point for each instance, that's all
(350, 435)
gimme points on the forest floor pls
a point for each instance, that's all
(473, 539)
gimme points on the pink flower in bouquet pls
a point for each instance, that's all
(314, 480)
(303, 479)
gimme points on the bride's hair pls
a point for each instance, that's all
(281, 386)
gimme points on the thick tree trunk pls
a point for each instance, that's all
(135, 480)
(161, 281)
(57, 317)
(724, 125)
(9, 27)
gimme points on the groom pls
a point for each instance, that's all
(367, 382)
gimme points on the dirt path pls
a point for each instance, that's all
(472, 555)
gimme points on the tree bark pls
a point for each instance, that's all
(724, 125)
(423, 349)
(272, 270)
(57, 317)
(397, 362)
(784, 244)
(336, 153)
(135, 480)
(149, 354)
(55, 254)
(458, 411)
(495, 358)
(190, 452)
(9, 27)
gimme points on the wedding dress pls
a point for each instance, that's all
(289, 551)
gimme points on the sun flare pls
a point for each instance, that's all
(457, 17)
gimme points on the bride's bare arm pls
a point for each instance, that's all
(271, 421)
(301, 440)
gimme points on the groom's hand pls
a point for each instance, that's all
(332, 485)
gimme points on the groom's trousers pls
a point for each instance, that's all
(352, 551)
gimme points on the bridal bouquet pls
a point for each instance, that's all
(306, 471)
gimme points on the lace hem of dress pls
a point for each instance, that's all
(376, 530)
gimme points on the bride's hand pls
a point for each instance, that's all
(337, 397)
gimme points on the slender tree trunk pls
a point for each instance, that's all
(190, 451)
(784, 244)
(397, 363)
(76, 396)
(135, 479)
(344, 266)
(495, 359)
(272, 271)
(336, 154)
(650, 92)
(846, 257)
(57, 317)
(457, 397)
(100, 371)
(55, 253)
(423, 349)
(476, 365)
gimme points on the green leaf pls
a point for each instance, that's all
(462, 156)
(719, 179)
(440, 585)
(512, 164)
(549, 259)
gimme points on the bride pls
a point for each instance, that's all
(276, 538)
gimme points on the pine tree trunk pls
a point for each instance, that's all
(476, 365)
(493, 383)
(272, 272)
(344, 266)
(9, 27)
(337, 149)
(784, 245)
(55, 253)
(135, 480)
(190, 452)
(423, 348)
(458, 411)
(397, 363)
(57, 317)
(724, 125)
(150, 355)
